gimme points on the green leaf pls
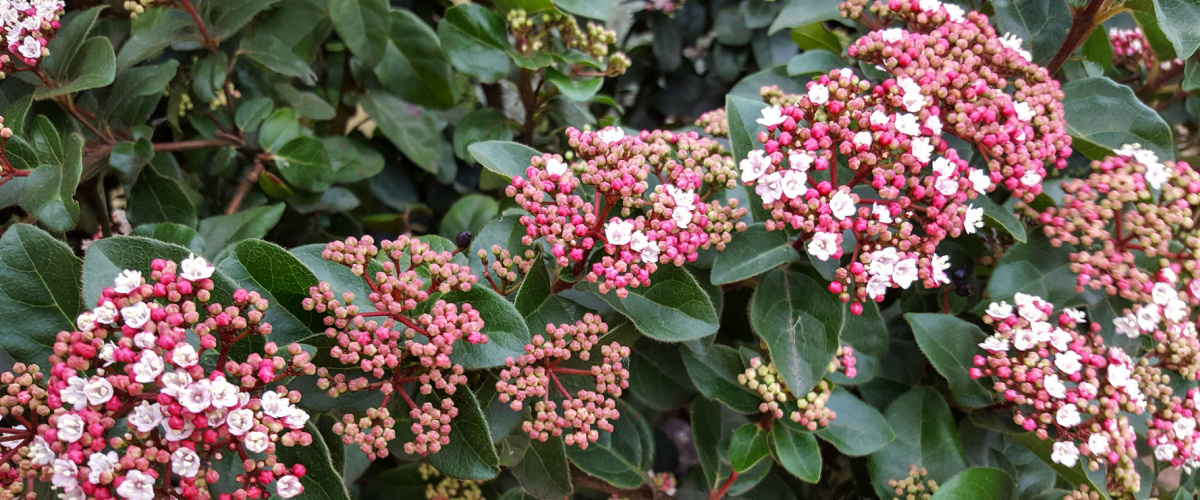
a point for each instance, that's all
(77, 62)
(351, 160)
(580, 90)
(706, 434)
(617, 457)
(1103, 115)
(1036, 268)
(1043, 448)
(278, 129)
(363, 25)
(409, 127)
(469, 213)
(321, 480)
(672, 309)
(950, 344)
(49, 189)
(752, 252)
(284, 281)
(506, 232)
(128, 158)
(1042, 25)
(413, 66)
(224, 230)
(470, 454)
(797, 452)
(816, 37)
(39, 292)
(858, 429)
(307, 104)
(152, 31)
(747, 447)
(787, 312)
(46, 141)
(585, 8)
(252, 112)
(208, 76)
(543, 471)
(803, 13)
(976, 484)
(304, 164)
(658, 377)
(1178, 20)
(1097, 53)
(169, 232)
(278, 57)
(504, 326)
(1001, 218)
(227, 17)
(157, 198)
(814, 62)
(478, 126)
(925, 437)
(715, 371)
(476, 41)
(137, 82)
(508, 159)
(730, 27)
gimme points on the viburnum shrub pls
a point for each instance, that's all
(635, 249)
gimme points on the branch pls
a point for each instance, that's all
(1082, 24)
(167, 147)
(244, 187)
(211, 43)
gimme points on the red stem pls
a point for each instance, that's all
(720, 492)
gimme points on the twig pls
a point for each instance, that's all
(1082, 24)
(244, 187)
(211, 43)
(167, 147)
(720, 492)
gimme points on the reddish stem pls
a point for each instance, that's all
(572, 371)
(720, 492)
(211, 43)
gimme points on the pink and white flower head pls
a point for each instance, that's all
(195, 268)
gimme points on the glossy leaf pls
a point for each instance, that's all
(157, 198)
(787, 312)
(797, 452)
(50, 189)
(617, 457)
(410, 128)
(413, 66)
(508, 159)
(976, 484)
(504, 326)
(1103, 115)
(672, 309)
(469, 213)
(752, 252)
(747, 447)
(950, 344)
(543, 470)
(363, 25)
(284, 281)
(321, 480)
(925, 436)
(715, 371)
(225, 230)
(1040, 24)
(858, 429)
(1178, 20)
(476, 41)
(470, 454)
(39, 292)
(168, 232)
(803, 13)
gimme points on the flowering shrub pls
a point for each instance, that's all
(645, 250)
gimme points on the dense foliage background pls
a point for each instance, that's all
(253, 132)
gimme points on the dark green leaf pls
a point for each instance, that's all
(469, 213)
(363, 25)
(1103, 115)
(752, 252)
(797, 452)
(715, 372)
(976, 484)
(409, 127)
(816, 37)
(413, 66)
(49, 189)
(617, 457)
(580, 90)
(307, 104)
(585, 8)
(1097, 53)
(157, 198)
(1000, 218)
(925, 437)
(657, 376)
(543, 471)
(181, 235)
(39, 292)
(278, 129)
(152, 31)
(787, 312)
(803, 13)
(858, 429)
(278, 57)
(137, 82)
(476, 42)
(1042, 25)
(351, 160)
(224, 230)
(950, 344)
(304, 164)
(504, 326)
(128, 158)
(284, 281)
(747, 447)
(672, 309)
(470, 454)
(321, 480)
(480, 125)
(208, 76)
(77, 62)
(227, 17)
(814, 62)
(1178, 20)
(508, 159)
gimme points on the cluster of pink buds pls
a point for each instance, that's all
(634, 228)
(25, 451)
(715, 122)
(810, 410)
(1061, 378)
(1132, 50)
(963, 68)
(1130, 203)
(28, 26)
(507, 271)
(1167, 320)
(916, 486)
(130, 410)
(537, 373)
(403, 338)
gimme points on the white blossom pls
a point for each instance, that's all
(999, 310)
(771, 116)
(146, 416)
(618, 232)
(555, 166)
(137, 486)
(1025, 339)
(256, 442)
(905, 273)
(841, 205)
(1098, 444)
(994, 343)
(1067, 416)
(800, 160)
(638, 241)
(934, 124)
(1166, 452)
(148, 367)
(1068, 362)
(754, 166)
(818, 94)
(85, 322)
(980, 181)
(879, 118)
(99, 463)
(175, 382)
(770, 188)
(1183, 427)
(863, 139)
(1156, 175)
(955, 13)
(1031, 178)
(939, 264)
(185, 462)
(1024, 111)
(40, 452)
(611, 134)
(98, 391)
(883, 261)
(823, 245)
(906, 123)
(30, 48)
(922, 149)
(973, 220)
(106, 314)
(224, 394)
(128, 281)
(195, 268)
(1148, 317)
(892, 35)
(73, 393)
(947, 186)
(240, 421)
(795, 183)
(145, 340)
(1127, 325)
(184, 355)
(877, 286)
(1065, 453)
(70, 428)
(1011, 42)
(197, 397)
(288, 486)
(881, 213)
(1054, 387)
(66, 475)
(136, 315)
(930, 6)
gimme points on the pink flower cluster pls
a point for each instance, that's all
(131, 410)
(28, 26)
(1132, 50)
(632, 226)
(537, 373)
(404, 338)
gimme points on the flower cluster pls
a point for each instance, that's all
(555, 32)
(666, 6)
(1063, 378)
(916, 486)
(406, 337)
(634, 227)
(538, 373)
(715, 122)
(28, 26)
(509, 270)
(439, 487)
(129, 409)
(1132, 50)
(810, 410)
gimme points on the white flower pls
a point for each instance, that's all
(145, 340)
(175, 436)
(934, 124)
(999, 310)
(128, 281)
(771, 116)
(883, 261)
(1127, 325)
(948, 186)
(994, 343)
(1054, 387)
(106, 353)
(175, 382)
(912, 99)
(877, 286)
(1168, 275)
(906, 123)
(185, 462)
(922, 149)
(650, 253)
(1148, 317)
(1068, 362)
(1067, 416)
(770, 189)
(611, 134)
(295, 419)
(73, 393)
(1162, 293)
(66, 475)
(1065, 453)
(1156, 175)
(555, 166)
(818, 94)
(195, 268)
(863, 139)
(1011, 42)
(1128, 150)
(1118, 374)
(274, 405)
(288, 486)
(85, 322)
(224, 394)
(1059, 338)
(240, 421)
(105, 314)
(137, 486)
(1145, 157)
(256, 442)
(148, 367)
(40, 452)
(943, 167)
(99, 463)
(905, 273)
(638, 241)
(1025, 339)
(892, 35)
(1098, 444)
(754, 166)
(930, 5)
(1165, 452)
(1183, 427)
(799, 161)
(955, 12)
(1087, 390)
(980, 181)
(146, 416)
(841, 205)
(184, 355)
(197, 397)
(939, 264)
(98, 391)
(1194, 287)
(881, 213)
(879, 118)
(682, 199)
(70, 428)
(1024, 112)
(618, 231)
(823, 245)
(973, 220)
(1030, 306)
(794, 183)
(1176, 310)
(30, 48)
(681, 216)
(136, 315)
